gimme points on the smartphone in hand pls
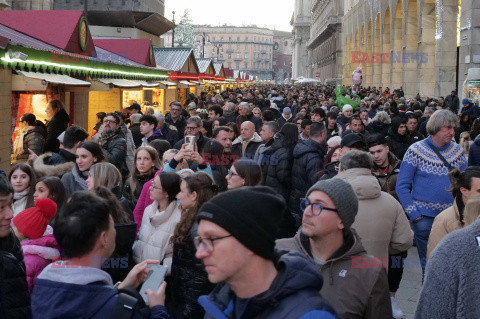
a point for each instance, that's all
(155, 277)
(190, 140)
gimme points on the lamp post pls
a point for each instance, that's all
(173, 30)
(216, 48)
(204, 37)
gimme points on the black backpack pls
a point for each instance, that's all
(128, 303)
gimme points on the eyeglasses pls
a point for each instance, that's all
(191, 128)
(109, 121)
(207, 243)
(153, 186)
(174, 110)
(230, 174)
(316, 208)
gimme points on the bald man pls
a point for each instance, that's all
(247, 143)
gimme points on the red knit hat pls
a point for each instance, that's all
(32, 222)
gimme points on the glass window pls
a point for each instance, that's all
(286, 43)
(245, 65)
(238, 55)
(246, 46)
(246, 55)
(229, 55)
(238, 65)
(238, 46)
(238, 38)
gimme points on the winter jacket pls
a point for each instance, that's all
(74, 181)
(471, 110)
(377, 127)
(255, 120)
(445, 223)
(33, 138)
(157, 134)
(154, 237)
(188, 281)
(56, 126)
(452, 285)
(307, 163)
(121, 261)
(63, 291)
(131, 148)
(115, 148)
(474, 153)
(452, 102)
(127, 189)
(136, 135)
(355, 284)
(14, 296)
(336, 131)
(380, 221)
(397, 143)
(293, 294)
(170, 133)
(330, 171)
(201, 142)
(180, 124)
(249, 150)
(388, 181)
(282, 120)
(38, 254)
(125, 203)
(230, 116)
(54, 165)
(342, 120)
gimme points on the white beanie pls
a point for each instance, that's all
(347, 107)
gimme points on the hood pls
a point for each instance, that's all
(45, 247)
(477, 140)
(393, 131)
(42, 169)
(307, 146)
(71, 292)
(255, 138)
(364, 184)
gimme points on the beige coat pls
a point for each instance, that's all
(154, 236)
(381, 222)
(445, 223)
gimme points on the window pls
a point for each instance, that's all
(238, 65)
(238, 38)
(285, 44)
(229, 55)
(245, 65)
(221, 38)
(254, 38)
(246, 56)
(230, 39)
(229, 65)
(238, 46)
(238, 56)
(246, 38)
(246, 46)
(221, 55)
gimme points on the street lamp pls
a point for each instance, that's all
(173, 30)
(204, 38)
(216, 48)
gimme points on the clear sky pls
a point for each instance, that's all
(273, 14)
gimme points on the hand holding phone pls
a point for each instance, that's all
(155, 277)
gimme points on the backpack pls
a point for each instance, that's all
(128, 303)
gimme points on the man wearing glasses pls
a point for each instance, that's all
(176, 118)
(236, 239)
(194, 124)
(356, 284)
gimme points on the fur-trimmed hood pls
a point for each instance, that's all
(43, 169)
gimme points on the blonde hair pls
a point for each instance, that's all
(106, 175)
(472, 210)
(465, 141)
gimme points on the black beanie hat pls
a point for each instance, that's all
(251, 214)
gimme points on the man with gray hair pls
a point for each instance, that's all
(194, 124)
(135, 129)
(423, 182)
(267, 133)
(229, 112)
(380, 220)
(169, 132)
(244, 109)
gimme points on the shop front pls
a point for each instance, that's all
(471, 86)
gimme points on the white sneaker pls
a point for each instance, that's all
(396, 311)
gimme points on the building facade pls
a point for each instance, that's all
(325, 49)
(301, 36)
(425, 46)
(282, 55)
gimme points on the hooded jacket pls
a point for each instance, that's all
(38, 254)
(307, 162)
(33, 138)
(380, 221)
(55, 127)
(474, 153)
(388, 180)
(354, 283)
(78, 292)
(293, 294)
(14, 296)
(250, 149)
(397, 143)
(43, 164)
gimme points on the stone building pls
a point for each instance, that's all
(325, 50)
(301, 36)
(282, 55)
(425, 46)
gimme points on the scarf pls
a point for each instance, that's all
(80, 177)
(20, 201)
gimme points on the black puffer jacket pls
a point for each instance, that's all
(293, 294)
(115, 148)
(136, 135)
(188, 281)
(55, 127)
(14, 296)
(397, 143)
(308, 161)
(33, 139)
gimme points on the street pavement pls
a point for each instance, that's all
(409, 291)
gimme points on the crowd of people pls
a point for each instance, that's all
(261, 202)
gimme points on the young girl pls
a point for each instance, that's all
(23, 181)
(38, 244)
(50, 187)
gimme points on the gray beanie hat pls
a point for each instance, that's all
(342, 195)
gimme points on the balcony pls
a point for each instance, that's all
(238, 59)
(229, 50)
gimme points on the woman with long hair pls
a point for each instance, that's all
(159, 221)
(88, 153)
(51, 187)
(108, 176)
(147, 164)
(23, 181)
(244, 172)
(189, 280)
(465, 186)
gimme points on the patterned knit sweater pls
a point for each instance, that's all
(423, 181)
